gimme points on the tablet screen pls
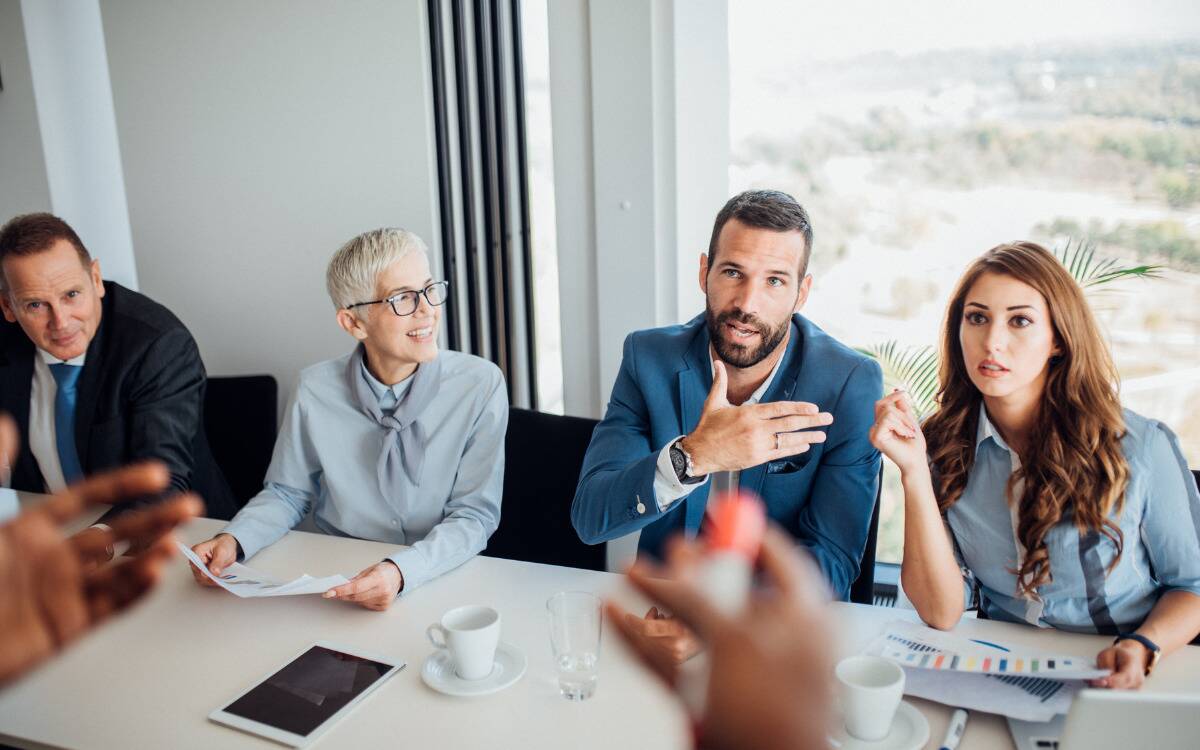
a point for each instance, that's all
(309, 690)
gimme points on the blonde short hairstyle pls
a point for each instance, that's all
(356, 266)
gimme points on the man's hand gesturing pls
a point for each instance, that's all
(733, 438)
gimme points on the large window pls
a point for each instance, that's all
(940, 129)
(540, 150)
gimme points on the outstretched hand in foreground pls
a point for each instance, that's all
(770, 666)
(49, 596)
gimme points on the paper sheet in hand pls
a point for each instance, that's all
(1024, 698)
(247, 582)
(918, 647)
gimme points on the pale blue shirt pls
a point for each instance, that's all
(1160, 521)
(326, 460)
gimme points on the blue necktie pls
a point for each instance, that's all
(64, 420)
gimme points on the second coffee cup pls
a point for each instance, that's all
(470, 634)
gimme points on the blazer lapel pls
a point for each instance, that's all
(89, 384)
(695, 380)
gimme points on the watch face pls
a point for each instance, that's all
(678, 462)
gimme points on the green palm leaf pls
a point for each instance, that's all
(1079, 258)
(913, 368)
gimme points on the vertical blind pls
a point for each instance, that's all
(483, 193)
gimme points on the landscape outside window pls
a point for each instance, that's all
(919, 135)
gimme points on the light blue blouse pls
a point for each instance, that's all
(1160, 521)
(326, 456)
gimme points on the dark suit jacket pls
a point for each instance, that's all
(140, 395)
(824, 496)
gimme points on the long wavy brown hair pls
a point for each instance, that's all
(1078, 471)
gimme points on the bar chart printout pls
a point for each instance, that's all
(919, 647)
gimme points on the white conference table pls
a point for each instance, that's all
(150, 678)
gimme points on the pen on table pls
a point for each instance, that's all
(954, 732)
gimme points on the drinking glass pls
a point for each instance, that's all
(575, 639)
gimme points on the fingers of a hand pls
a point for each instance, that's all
(144, 526)
(717, 394)
(652, 657)
(131, 481)
(10, 440)
(681, 598)
(1130, 671)
(791, 443)
(113, 588)
(201, 579)
(888, 401)
(371, 593)
(896, 415)
(663, 628)
(799, 422)
(1107, 659)
(897, 427)
(777, 409)
(358, 584)
(92, 543)
(58, 592)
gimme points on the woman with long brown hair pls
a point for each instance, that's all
(1058, 507)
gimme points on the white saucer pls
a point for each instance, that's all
(438, 673)
(910, 731)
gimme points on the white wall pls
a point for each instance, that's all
(256, 139)
(58, 143)
(640, 100)
(23, 185)
(78, 131)
(575, 215)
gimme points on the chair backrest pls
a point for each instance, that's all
(542, 457)
(240, 417)
(862, 591)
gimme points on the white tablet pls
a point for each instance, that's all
(304, 698)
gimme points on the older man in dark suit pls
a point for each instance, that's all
(96, 375)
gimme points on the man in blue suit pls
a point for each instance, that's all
(751, 388)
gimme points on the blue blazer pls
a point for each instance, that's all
(824, 496)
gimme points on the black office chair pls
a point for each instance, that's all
(542, 457)
(240, 418)
(862, 591)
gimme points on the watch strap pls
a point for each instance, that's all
(1152, 647)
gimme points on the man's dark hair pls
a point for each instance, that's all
(29, 234)
(765, 209)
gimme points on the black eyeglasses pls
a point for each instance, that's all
(405, 303)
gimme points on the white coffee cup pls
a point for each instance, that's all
(470, 634)
(871, 689)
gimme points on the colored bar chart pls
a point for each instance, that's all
(935, 650)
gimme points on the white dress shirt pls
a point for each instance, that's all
(668, 490)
